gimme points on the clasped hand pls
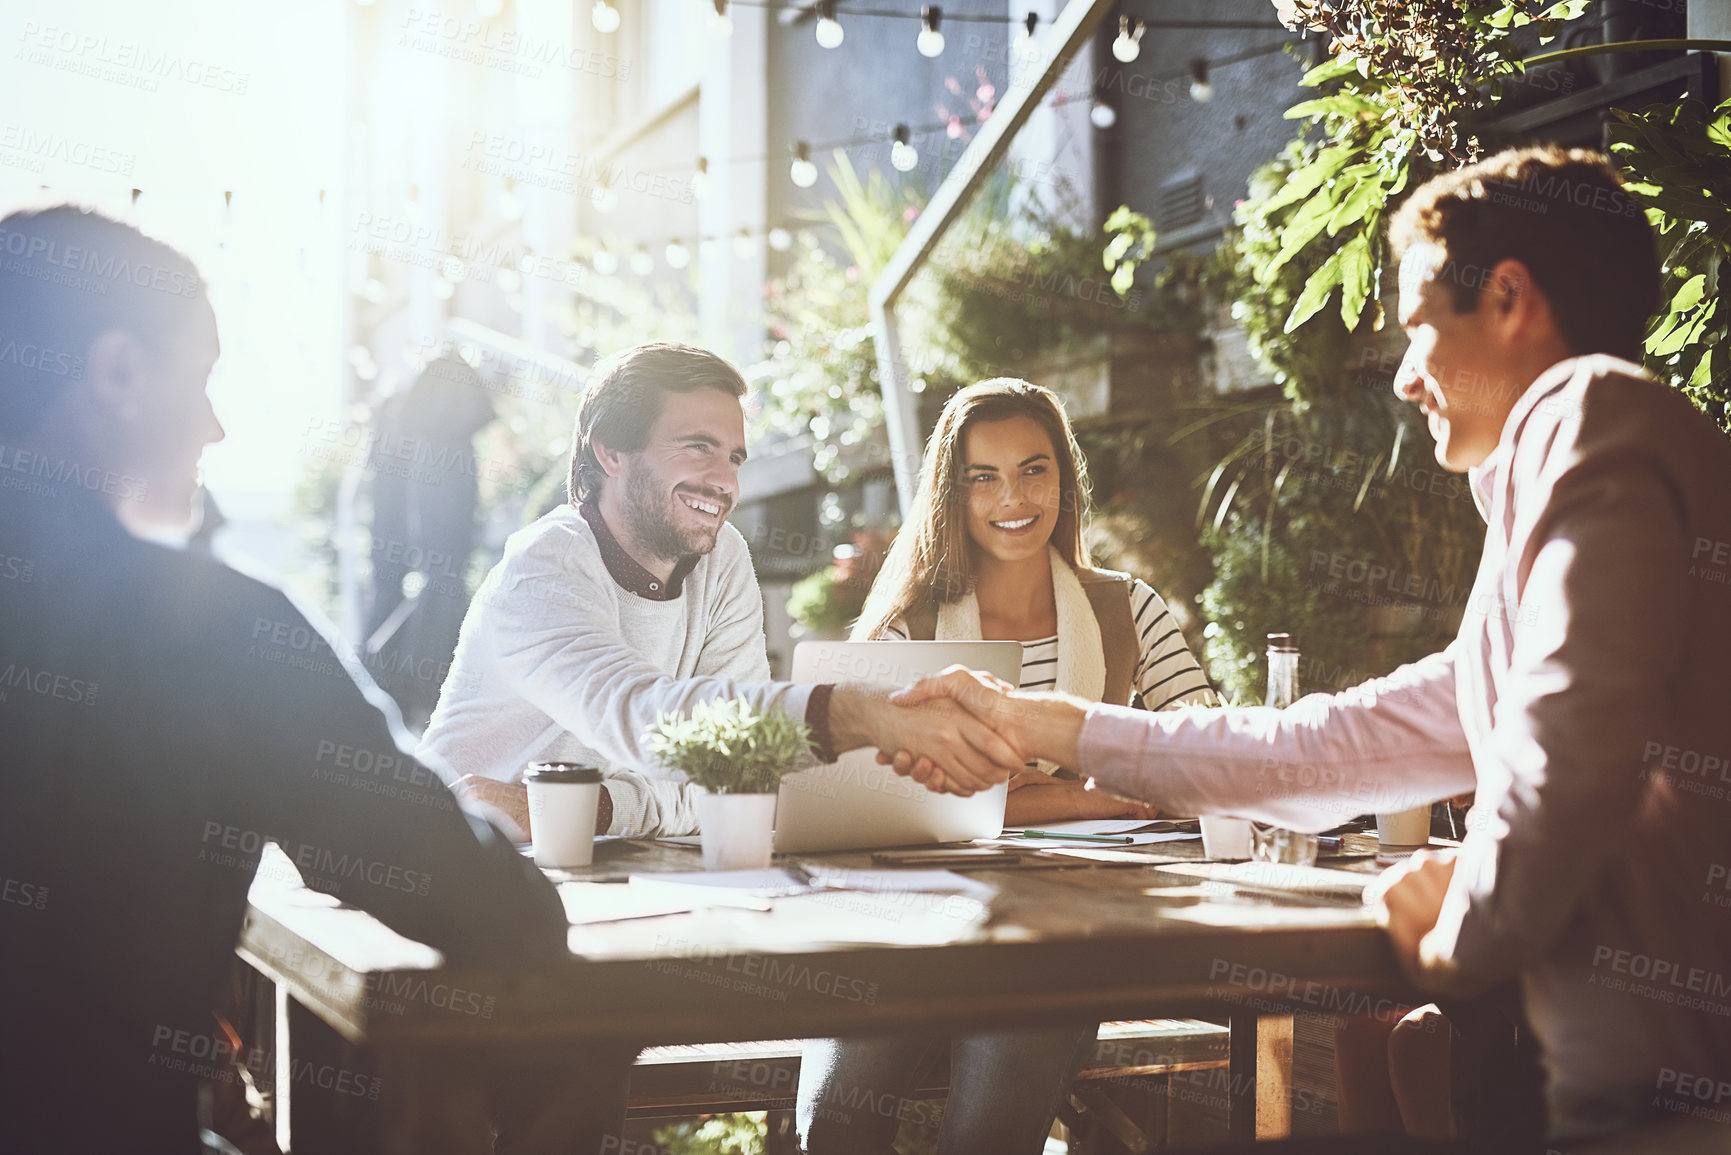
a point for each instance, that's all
(941, 720)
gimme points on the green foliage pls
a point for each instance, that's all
(1677, 158)
(737, 1134)
(1012, 281)
(1333, 524)
(728, 746)
(823, 603)
(1330, 478)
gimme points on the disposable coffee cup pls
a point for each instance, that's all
(563, 799)
(1404, 829)
(1225, 838)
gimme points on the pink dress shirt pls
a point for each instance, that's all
(1587, 698)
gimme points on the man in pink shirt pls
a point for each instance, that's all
(1583, 699)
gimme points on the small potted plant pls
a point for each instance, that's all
(737, 754)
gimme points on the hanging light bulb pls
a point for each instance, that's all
(606, 261)
(903, 155)
(802, 172)
(1103, 115)
(1027, 41)
(678, 256)
(780, 239)
(829, 29)
(642, 263)
(1201, 91)
(510, 204)
(930, 41)
(1128, 46)
(605, 17)
(743, 246)
(701, 185)
(720, 23)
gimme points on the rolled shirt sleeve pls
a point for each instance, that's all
(1388, 744)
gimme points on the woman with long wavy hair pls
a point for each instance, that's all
(993, 551)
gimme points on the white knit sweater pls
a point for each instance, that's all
(556, 662)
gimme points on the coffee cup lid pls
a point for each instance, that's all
(561, 772)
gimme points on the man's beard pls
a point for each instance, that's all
(653, 514)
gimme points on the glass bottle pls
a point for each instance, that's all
(1272, 843)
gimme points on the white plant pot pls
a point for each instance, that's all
(736, 830)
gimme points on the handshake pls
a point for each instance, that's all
(959, 731)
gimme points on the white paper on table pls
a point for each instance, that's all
(1095, 825)
(748, 888)
(900, 881)
(593, 902)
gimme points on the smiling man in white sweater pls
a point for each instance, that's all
(637, 598)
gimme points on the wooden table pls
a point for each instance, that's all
(1069, 935)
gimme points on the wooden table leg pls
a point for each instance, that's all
(1241, 1077)
(324, 1092)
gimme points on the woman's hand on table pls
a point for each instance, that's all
(1037, 797)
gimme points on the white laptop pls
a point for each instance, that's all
(856, 802)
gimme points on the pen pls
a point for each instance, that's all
(1122, 839)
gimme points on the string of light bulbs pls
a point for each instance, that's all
(904, 155)
(929, 42)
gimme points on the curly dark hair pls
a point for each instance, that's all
(1565, 215)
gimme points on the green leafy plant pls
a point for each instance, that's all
(1677, 158)
(733, 1134)
(728, 746)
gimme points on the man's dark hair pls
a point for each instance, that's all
(68, 275)
(1564, 215)
(624, 398)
